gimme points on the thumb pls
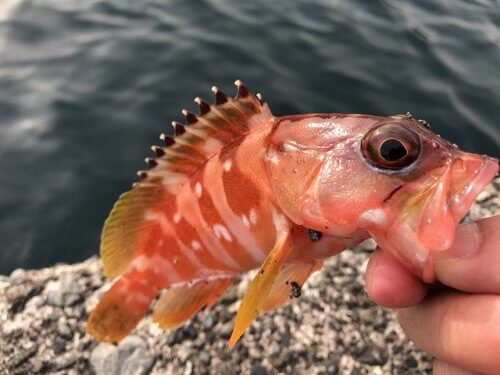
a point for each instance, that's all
(472, 264)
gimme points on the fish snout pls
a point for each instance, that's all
(452, 196)
(469, 175)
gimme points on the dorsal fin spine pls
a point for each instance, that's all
(220, 97)
(190, 117)
(242, 90)
(159, 151)
(190, 129)
(178, 129)
(151, 162)
(204, 107)
(167, 140)
(142, 174)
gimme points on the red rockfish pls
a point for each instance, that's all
(236, 188)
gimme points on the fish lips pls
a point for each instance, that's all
(441, 205)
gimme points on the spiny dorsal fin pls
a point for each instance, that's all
(204, 134)
(126, 232)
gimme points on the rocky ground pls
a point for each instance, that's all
(332, 328)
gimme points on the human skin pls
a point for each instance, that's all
(458, 320)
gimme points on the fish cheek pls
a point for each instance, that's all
(347, 190)
(291, 175)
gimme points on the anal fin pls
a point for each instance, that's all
(121, 308)
(178, 304)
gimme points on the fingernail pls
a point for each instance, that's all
(467, 241)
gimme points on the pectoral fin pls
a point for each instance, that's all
(255, 299)
(291, 274)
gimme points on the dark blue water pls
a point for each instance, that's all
(87, 86)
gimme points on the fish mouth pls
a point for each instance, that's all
(435, 212)
(428, 210)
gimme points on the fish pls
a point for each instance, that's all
(236, 188)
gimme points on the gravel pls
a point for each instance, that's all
(332, 328)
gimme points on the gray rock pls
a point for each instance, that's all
(18, 273)
(58, 345)
(19, 292)
(410, 361)
(281, 359)
(134, 356)
(188, 368)
(226, 330)
(131, 357)
(273, 349)
(65, 361)
(258, 370)
(63, 292)
(23, 353)
(64, 330)
(104, 359)
(372, 354)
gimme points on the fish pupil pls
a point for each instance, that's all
(392, 150)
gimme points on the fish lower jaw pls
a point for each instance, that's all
(462, 202)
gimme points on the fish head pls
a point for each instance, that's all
(390, 176)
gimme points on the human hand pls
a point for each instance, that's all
(458, 323)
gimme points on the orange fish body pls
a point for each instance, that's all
(237, 189)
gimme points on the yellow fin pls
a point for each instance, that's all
(256, 295)
(121, 307)
(178, 304)
(126, 233)
(292, 275)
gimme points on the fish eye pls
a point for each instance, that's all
(391, 146)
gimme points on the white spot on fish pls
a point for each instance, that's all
(253, 216)
(177, 218)
(212, 145)
(375, 216)
(137, 298)
(150, 215)
(287, 147)
(198, 190)
(170, 180)
(196, 245)
(421, 254)
(157, 265)
(227, 165)
(221, 231)
(280, 222)
(245, 221)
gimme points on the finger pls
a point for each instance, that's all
(443, 368)
(389, 284)
(471, 264)
(460, 329)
